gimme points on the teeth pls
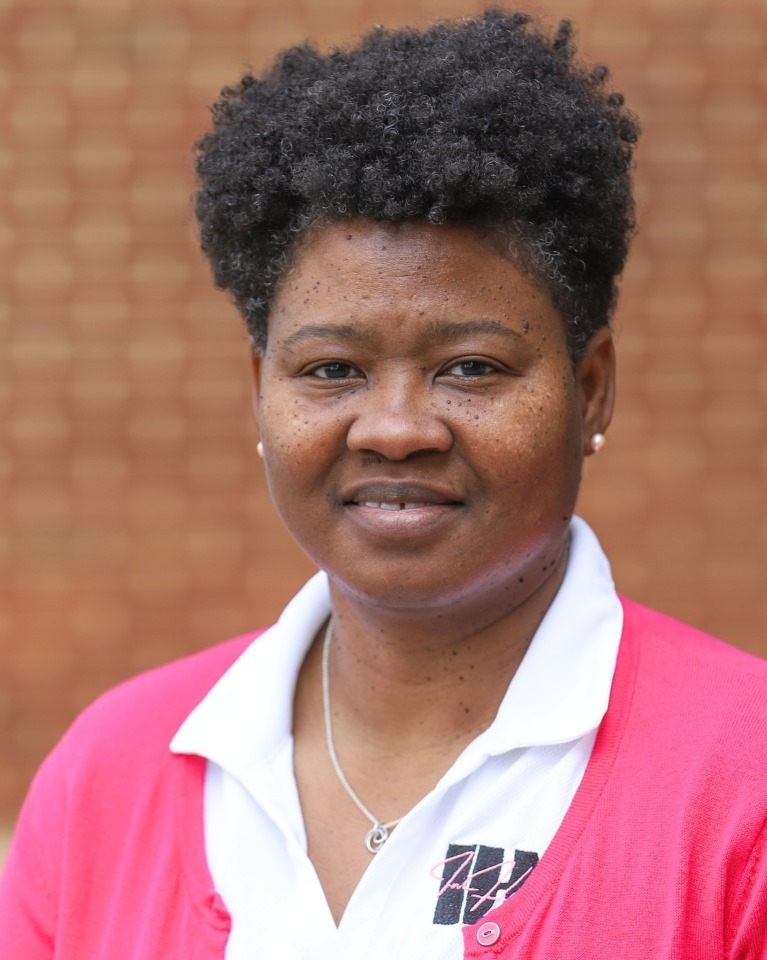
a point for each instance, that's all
(393, 506)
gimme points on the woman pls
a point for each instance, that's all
(457, 740)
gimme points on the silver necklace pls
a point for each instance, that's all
(378, 834)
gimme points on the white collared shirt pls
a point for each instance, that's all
(463, 848)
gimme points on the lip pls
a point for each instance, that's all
(399, 492)
(397, 508)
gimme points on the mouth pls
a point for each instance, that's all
(399, 496)
(388, 505)
(397, 509)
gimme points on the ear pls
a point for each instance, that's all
(595, 382)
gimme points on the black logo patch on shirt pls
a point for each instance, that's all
(471, 881)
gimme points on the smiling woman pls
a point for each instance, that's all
(430, 375)
(457, 741)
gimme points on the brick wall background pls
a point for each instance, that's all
(134, 520)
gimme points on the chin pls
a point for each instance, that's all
(484, 598)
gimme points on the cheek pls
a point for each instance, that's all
(299, 442)
(285, 423)
(539, 445)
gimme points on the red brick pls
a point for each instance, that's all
(135, 513)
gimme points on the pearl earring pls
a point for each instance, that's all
(260, 449)
(597, 442)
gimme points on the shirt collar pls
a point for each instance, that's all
(248, 715)
(559, 692)
(561, 689)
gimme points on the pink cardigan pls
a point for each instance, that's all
(661, 856)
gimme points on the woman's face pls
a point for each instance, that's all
(422, 423)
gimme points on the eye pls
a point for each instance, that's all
(470, 368)
(335, 370)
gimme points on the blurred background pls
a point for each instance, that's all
(134, 521)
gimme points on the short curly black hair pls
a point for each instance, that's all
(490, 122)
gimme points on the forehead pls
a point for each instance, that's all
(408, 273)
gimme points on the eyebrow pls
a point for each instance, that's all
(450, 331)
(347, 332)
(454, 330)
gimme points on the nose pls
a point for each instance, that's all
(398, 418)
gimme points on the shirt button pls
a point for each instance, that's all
(488, 933)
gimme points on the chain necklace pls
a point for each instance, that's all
(378, 834)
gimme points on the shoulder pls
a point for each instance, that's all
(684, 738)
(700, 696)
(142, 714)
(112, 809)
(679, 646)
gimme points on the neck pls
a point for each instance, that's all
(402, 681)
(407, 696)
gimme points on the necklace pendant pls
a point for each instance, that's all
(376, 837)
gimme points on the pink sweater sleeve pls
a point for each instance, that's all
(748, 933)
(108, 859)
(29, 881)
